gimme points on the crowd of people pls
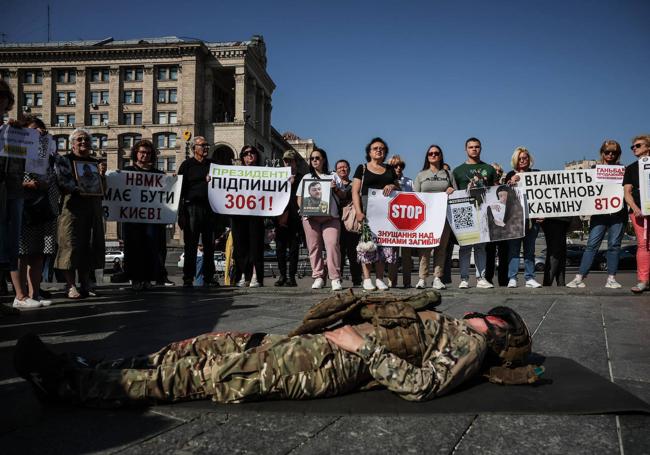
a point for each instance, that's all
(54, 221)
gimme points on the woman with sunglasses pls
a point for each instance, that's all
(613, 224)
(640, 148)
(322, 232)
(522, 161)
(374, 175)
(80, 230)
(406, 184)
(248, 236)
(434, 178)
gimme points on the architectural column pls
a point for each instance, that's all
(149, 95)
(208, 101)
(251, 102)
(267, 117)
(115, 95)
(48, 92)
(80, 87)
(240, 94)
(14, 76)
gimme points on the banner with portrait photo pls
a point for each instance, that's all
(315, 197)
(644, 184)
(141, 197)
(487, 214)
(406, 219)
(88, 179)
(569, 193)
(249, 190)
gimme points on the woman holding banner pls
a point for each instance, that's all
(248, 236)
(374, 175)
(143, 242)
(321, 230)
(613, 224)
(434, 178)
(522, 161)
(631, 184)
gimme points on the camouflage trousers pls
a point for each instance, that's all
(218, 366)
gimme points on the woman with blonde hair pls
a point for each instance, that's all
(522, 161)
(613, 224)
(406, 184)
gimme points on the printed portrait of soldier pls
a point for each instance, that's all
(313, 202)
(88, 180)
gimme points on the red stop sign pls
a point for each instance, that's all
(407, 212)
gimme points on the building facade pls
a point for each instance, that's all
(156, 89)
(579, 164)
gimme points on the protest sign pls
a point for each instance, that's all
(487, 214)
(606, 173)
(406, 219)
(141, 197)
(27, 144)
(249, 190)
(569, 193)
(644, 184)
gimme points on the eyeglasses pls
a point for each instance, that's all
(315, 158)
(610, 152)
(378, 149)
(203, 146)
(399, 165)
(145, 152)
(247, 153)
(434, 154)
(83, 139)
(637, 145)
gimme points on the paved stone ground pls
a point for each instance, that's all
(604, 330)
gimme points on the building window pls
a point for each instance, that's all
(4, 74)
(167, 95)
(168, 73)
(133, 97)
(99, 141)
(99, 97)
(61, 143)
(33, 99)
(133, 74)
(66, 98)
(128, 140)
(160, 163)
(99, 75)
(100, 118)
(66, 76)
(165, 118)
(166, 140)
(65, 120)
(33, 77)
(171, 164)
(132, 118)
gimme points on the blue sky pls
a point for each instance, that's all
(558, 77)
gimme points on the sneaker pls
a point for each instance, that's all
(73, 293)
(43, 302)
(254, 284)
(482, 283)
(613, 284)
(640, 287)
(26, 303)
(388, 283)
(438, 284)
(318, 283)
(421, 284)
(368, 286)
(336, 285)
(381, 285)
(169, 283)
(241, 283)
(463, 284)
(576, 283)
(533, 283)
(512, 283)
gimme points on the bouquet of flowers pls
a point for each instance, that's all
(367, 248)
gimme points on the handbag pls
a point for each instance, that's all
(349, 213)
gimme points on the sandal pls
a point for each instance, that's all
(73, 293)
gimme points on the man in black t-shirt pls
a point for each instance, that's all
(195, 216)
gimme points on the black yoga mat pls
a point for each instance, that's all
(569, 388)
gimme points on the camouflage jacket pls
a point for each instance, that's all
(454, 354)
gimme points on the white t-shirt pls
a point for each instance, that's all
(326, 178)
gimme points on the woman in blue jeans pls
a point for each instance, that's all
(612, 224)
(522, 161)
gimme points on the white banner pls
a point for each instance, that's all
(249, 190)
(644, 184)
(487, 214)
(141, 197)
(569, 193)
(606, 173)
(406, 219)
(27, 144)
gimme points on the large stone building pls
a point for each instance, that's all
(148, 88)
(580, 164)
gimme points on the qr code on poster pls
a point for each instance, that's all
(463, 217)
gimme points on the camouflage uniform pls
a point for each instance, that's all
(217, 365)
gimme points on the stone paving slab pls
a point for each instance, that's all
(602, 329)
